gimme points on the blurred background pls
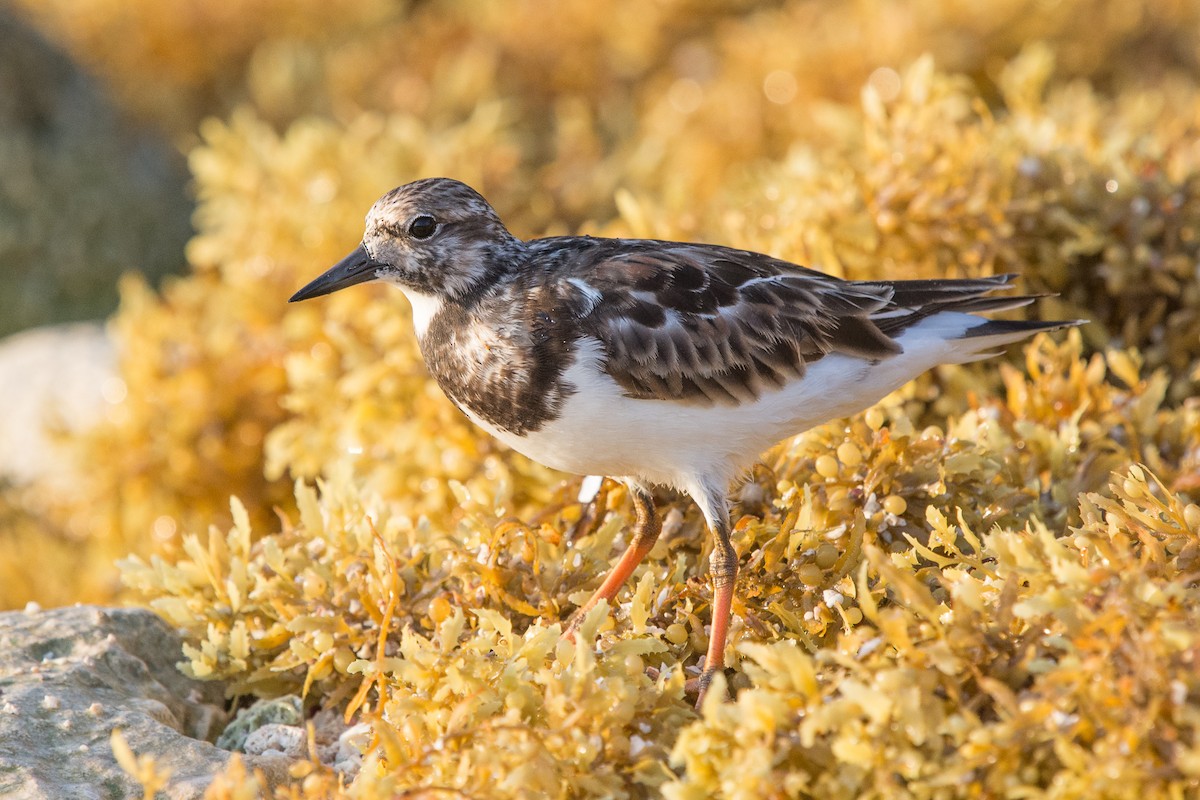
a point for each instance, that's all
(983, 585)
(220, 155)
(102, 101)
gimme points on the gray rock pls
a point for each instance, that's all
(69, 676)
(85, 193)
(287, 710)
(278, 726)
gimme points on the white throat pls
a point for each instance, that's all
(424, 307)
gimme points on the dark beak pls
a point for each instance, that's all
(358, 267)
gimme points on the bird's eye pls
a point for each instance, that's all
(422, 227)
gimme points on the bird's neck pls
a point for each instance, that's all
(479, 269)
(476, 273)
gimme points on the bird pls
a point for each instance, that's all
(655, 363)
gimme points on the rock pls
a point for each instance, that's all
(66, 374)
(278, 726)
(69, 676)
(278, 711)
(86, 194)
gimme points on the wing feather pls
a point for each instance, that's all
(713, 325)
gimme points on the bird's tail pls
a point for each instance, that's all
(915, 301)
(991, 336)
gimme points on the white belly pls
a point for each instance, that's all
(604, 432)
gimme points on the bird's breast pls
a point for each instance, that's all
(497, 367)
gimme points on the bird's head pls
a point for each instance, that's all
(435, 237)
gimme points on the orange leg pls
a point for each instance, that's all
(645, 533)
(723, 568)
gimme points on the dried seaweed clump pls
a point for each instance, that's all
(1039, 664)
(452, 637)
(490, 711)
(292, 610)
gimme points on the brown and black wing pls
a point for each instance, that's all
(713, 325)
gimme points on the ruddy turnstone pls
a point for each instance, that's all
(654, 362)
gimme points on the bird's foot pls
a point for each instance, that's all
(572, 626)
(586, 619)
(701, 685)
